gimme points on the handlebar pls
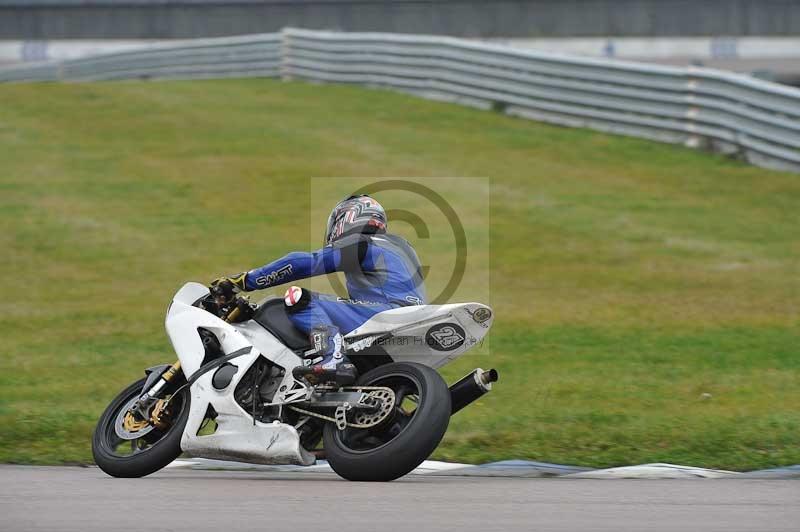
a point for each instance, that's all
(226, 304)
(232, 315)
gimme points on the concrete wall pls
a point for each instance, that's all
(153, 19)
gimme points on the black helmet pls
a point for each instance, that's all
(355, 214)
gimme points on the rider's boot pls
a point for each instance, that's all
(334, 366)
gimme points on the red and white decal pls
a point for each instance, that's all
(292, 295)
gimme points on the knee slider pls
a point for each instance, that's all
(296, 299)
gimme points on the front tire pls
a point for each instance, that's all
(396, 447)
(150, 453)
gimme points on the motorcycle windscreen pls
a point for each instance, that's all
(191, 293)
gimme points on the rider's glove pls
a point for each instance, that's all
(224, 289)
(234, 282)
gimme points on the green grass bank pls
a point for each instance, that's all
(647, 296)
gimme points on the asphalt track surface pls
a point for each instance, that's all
(85, 500)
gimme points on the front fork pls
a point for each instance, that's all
(150, 395)
(165, 379)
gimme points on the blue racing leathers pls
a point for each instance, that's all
(382, 271)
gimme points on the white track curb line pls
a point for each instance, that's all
(507, 469)
(428, 466)
(654, 471)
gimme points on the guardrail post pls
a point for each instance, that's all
(285, 68)
(693, 140)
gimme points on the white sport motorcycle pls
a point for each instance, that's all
(238, 391)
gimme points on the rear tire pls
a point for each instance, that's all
(162, 449)
(417, 436)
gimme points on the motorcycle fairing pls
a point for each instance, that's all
(428, 334)
(237, 436)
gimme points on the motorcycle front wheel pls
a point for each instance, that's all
(406, 438)
(128, 448)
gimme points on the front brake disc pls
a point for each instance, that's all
(127, 426)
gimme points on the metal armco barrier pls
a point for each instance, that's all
(756, 120)
(247, 56)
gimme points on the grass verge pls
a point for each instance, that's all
(646, 295)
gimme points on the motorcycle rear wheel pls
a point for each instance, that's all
(148, 454)
(399, 444)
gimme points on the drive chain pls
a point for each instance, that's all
(347, 423)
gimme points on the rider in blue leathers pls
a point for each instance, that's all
(382, 272)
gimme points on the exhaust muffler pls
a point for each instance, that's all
(470, 388)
